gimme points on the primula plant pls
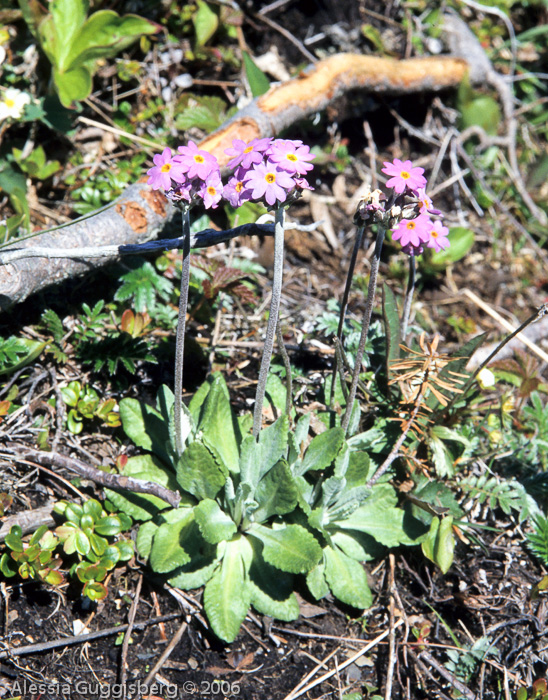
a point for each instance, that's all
(260, 506)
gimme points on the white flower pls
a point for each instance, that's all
(486, 378)
(12, 103)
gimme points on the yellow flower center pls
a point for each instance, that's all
(292, 157)
(199, 159)
(248, 149)
(166, 167)
(239, 186)
(10, 103)
(411, 225)
(434, 233)
(211, 190)
(270, 178)
(405, 175)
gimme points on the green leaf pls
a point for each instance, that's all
(105, 34)
(439, 545)
(68, 18)
(316, 582)
(72, 85)
(483, 111)
(359, 469)
(227, 595)
(146, 427)
(143, 285)
(144, 539)
(167, 553)
(322, 451)
(291, 548)
(204, 560)
(276, 493)
(143, 506)
(214, 524)
(357, 545)
(271, 589)
(273, 439)
(198, 472)
(380, 518)
(205, 23)
(109, 525)
(251, 461)
(219, 426)
(258, 82)
(81, 542)
(347, 579)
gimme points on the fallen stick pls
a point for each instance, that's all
(140, 214)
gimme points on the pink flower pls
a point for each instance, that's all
(212, 190)
(291, 156)
(438, 237)
(266, 179)
(247, 154)
(426, 203)
(413, 232)
(404, 175)
(302, 184)
(164, 171)
(235, 190)
(195, 162)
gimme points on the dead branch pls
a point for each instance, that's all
(118, 482)
(140, 214)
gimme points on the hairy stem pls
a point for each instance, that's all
(287, 366)
(408, 297)
(272, 319)
(180, 333)
(366, 320)
(344, 304)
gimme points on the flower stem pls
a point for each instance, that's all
(366, 320)
(344, 304)
(180, 333)
(287, 366)
(272, 318)
(408, 297)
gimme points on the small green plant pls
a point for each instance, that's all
(84, 535)
(75, 43)
(33, 559)
(464, 662)
(85, 403)
(255, 514)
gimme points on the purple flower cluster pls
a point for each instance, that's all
(190, 175)
(416, 228)
(266, 170)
